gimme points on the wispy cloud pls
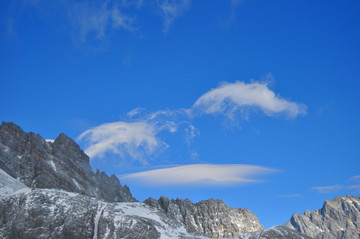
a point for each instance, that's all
(91, 18)
(355, 178)
(291, 196)
(329, 189)
(355, 185)
(138, 134)
(136, 137)
(239, 97)
(172, 9)
(201, 174)
(123, 138)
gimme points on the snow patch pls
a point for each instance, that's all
(100, 210)
(138, 209)
(76, 183)
(52, 164)
(9, 185)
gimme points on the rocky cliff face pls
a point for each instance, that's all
(60, 164)
(337, 219)
(211, 217)
(49, 213)
(53, 213)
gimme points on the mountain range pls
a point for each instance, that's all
(49, 190)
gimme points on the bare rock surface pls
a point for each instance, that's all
(211, 217)
(59, 164)
(337, 219)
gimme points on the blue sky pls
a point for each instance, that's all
(254, 102)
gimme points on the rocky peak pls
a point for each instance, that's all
(210, 217)
(65, 145)
(338, 218)
(11, 128)
(61, 164)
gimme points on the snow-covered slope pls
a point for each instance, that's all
(8, 184)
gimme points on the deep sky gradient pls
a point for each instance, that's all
(70, 66)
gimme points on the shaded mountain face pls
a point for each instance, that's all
(211, 217)
(337, 219)
(60, 165)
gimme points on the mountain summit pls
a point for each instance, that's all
(337, 219)
(60, 164)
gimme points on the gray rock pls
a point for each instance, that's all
(61, 164)
(337, 219)
(54, 213)
(211, 217)
(276, 232)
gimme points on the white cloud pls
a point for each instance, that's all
(137, 137)
(172, 9)
(123, 138)
(135, 112)
(239, 97)
(201, 174)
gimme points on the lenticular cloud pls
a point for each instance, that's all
(201, 174)
(231, 97)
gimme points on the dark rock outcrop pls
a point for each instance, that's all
(211, 217)
(337, 219)
(60, 165)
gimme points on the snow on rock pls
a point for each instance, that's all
(99, 212)
(9, 184)
(53, 213)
